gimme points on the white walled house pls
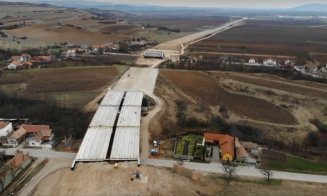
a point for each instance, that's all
(252, 61)
(270, 62)
(71, 53)
(16, 137)
(5, 128)
(42, 139)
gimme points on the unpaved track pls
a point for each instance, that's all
(138, 79)
(145, 135)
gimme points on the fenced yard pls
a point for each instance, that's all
(187, 147)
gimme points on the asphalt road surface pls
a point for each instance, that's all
(249, 171)
(40, 153)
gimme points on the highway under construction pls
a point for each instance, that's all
(114, 132)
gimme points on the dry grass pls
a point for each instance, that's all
(204, 89)
(276, 83)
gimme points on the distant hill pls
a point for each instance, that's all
(312, 8)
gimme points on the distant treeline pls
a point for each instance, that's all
(65, 122)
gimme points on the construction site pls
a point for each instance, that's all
(153, 127)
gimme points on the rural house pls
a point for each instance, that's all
(252, 61)
(16, 137)
(226, 144)
(5, 128)
(42, 59)
(14, 167)
(42, 139)
(19, 65)
(36, 135)
(311, 67)
(241, 154)
(71, 53)
(270, 62)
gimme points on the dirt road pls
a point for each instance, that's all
(138, 79)
(145, 135)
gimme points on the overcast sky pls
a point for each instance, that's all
(223, 3)
(208, 3)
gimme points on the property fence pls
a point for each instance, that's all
(10, 175)
(182, 157)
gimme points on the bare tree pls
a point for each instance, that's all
(229, 170)
(268, 173)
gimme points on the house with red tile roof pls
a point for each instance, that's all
(225, 142)
(16, 137)
(38, 135)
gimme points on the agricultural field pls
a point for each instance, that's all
(184, 24)
(71, 87)
(32, 26)
(287, 38)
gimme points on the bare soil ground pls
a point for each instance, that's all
(70, 87)
(103, 179)
(206, 90)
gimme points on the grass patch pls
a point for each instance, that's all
(262, 181)
(295, 164)
(73, 99)
(186, 144)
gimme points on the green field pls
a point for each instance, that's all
(296, 164)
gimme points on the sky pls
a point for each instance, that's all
(223, 3)
(210, 3)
